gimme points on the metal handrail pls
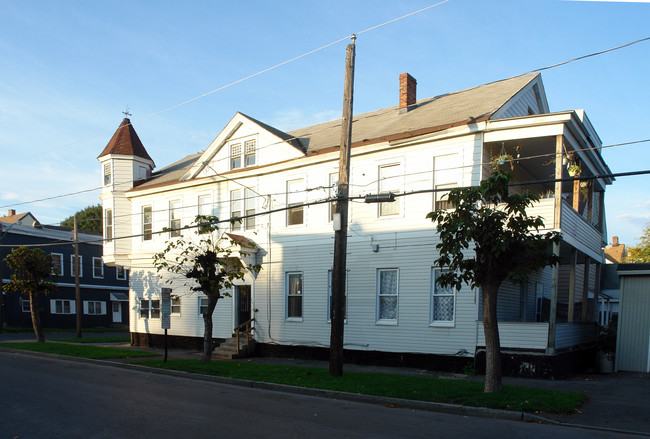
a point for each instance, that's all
(238, 329)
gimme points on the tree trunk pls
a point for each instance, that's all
(36, 317)
(492, 344)
(208, 345)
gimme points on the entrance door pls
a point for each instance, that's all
(243, 303)
(117, 312)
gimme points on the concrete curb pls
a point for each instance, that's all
(455, 409)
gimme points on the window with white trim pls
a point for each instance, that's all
(120, 272)
(147, 223)
(246, 156)
(108, 225)
(329, 297)
(204, 209)
(235, 209)
(249, 206)
(176, 306)
(445, 177)
(390, 178)
(62, 306)
(98, 268)
(203, 305)
(57, 264)
(24, 305)
(94, 307)
(294, 295)
(81, 265)
(107, 174)
(443, 301)
(150, 308)
(295, 197)
(174, 218)
(387, 295)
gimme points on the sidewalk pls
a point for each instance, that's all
(614, 401)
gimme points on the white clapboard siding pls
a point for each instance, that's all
(513, 335)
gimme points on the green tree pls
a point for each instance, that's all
(205, 259)
(640, 253)
(89, 219)
(507, 246)
(31, 274)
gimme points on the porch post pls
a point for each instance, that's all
(557, 211)
(596, 290)
(585, 290)
(572, 285)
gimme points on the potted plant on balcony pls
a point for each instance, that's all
(574, 170)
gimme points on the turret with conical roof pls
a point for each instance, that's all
(124, 160)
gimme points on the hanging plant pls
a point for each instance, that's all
(501, 160)
(574, 170)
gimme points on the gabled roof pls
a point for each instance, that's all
(125, 141)
(25, 218)
(427, 116)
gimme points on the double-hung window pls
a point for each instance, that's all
(120, 272)
(176, 306)
(98, 268)
(107, 174)
(294, 295)
(203, 305)
(108, 225)
(443, 301)
(243, 153)
(390, 179)
(24, 305)
(295, 197)
(57, 264)
(445, 178)
(93, 307)
(204, 209)
(62, 306)
(150, 308)
(147, 223)
(387, 294)
(174, 218)
(81, 266)
(235, 209)
(249, 205)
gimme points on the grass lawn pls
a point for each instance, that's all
(15, 330)
(94, 340)
(455, 391)
(75, 350)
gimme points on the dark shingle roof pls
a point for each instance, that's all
(427, 116)
(126, 141)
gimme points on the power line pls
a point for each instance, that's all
(351, 198)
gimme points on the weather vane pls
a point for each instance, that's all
(126, 112)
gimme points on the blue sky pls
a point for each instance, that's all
(69, 68)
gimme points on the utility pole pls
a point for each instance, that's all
(341, 220)
(77, 289)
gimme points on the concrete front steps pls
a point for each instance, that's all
(228, 349)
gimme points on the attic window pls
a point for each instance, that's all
(245, 157)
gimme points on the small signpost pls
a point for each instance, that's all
(165, 313)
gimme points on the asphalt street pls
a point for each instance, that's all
(56, 398)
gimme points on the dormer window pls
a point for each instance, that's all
(245, 156)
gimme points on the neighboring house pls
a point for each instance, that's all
(615, 253)
(609, 295)
(394, 310)
(104, 290)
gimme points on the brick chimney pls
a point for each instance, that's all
(614, 241)
(407, 88)
(11, 212)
